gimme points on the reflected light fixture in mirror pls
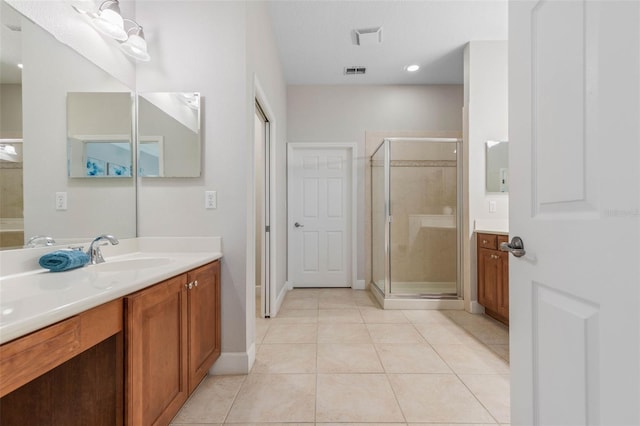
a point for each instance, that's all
(135, 45)
(108, 20)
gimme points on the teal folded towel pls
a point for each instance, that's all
(64, 260)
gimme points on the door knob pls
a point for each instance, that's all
(297, 225)
(515, 247)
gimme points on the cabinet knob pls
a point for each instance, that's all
(190, 286)
(485, 241)
(195, 283)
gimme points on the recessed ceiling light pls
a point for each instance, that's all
(412, 68)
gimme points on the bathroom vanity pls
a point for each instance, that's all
(133, 359)
(493, 275)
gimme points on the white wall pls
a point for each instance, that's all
(95, 206)
(486, 112)
(345, 113)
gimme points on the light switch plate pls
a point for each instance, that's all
(61, 200)
(210, 199)
(492, 206)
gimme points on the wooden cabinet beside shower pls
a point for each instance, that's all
(493, 276)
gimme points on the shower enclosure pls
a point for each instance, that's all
(416, 221)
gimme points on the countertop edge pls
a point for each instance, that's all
(20, 328)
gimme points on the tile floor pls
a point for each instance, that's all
(332, 356)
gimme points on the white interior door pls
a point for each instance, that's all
(320, 215)
(574, 114)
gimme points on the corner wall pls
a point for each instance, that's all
(486, 118)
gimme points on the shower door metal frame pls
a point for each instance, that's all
(386, 145)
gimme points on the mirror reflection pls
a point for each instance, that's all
(169, 134)
(99, 138)
(497, 167)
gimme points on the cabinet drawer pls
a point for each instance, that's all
(502, 239)
(28, 357)
(488, 241)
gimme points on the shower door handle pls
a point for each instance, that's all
(297, 225)
(515, 247)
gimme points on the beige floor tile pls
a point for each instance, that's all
(410, 358)
(493, 393)
(501, 350)
(427, 316)
(356, 398)
(445, 334)
(291, 333)
(380, 316)
(262, 325)
(468, 359)
(303, 293)
(337, 303)
(348, 358)
(466, 318)
(343, 333)
(211, 401)
(339, 316)
(296, 316)
(336, 293)
(361, 424)
(270, 424)
(490, 333)
(437, 398)
(365, 298)
(394, 333)
(285, 358)
(452, 424)
(275, 398)
(301, 303)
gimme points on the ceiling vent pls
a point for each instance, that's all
(368, 36)
(354, 70)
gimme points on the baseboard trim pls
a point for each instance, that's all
(289, 285)
(359, 285)
(279, 300)
(476, 308)
(234, 362)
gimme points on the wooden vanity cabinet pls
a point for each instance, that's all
(173, 338)
(493, 276)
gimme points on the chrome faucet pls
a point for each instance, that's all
(95, 255)
(40, 240)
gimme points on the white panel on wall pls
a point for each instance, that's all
(565, 347)
(334, 162)
(310, 252)
(559, 145)
(310, 194)
(335, 245)
(335, 205)
(310, 162)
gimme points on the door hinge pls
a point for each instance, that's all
(267, 228)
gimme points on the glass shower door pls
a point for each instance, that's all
(378, 219)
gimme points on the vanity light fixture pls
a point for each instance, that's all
(108, 20)
(135, 45)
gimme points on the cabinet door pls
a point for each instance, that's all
(204, 321)
(503, 287)
(156, 336)
(489, 270)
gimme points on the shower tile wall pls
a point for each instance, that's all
(422, 187)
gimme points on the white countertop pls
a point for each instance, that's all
(34, 298)
(492, 226)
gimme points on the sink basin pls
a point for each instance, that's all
(130, 264)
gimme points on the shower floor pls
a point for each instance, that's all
(423, 287)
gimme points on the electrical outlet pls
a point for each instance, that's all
(210, 199)
(492, 206)
(61, 200)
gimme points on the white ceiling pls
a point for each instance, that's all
(316, 41)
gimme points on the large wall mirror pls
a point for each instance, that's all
(497, 166)
(34, 111)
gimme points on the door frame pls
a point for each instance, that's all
(352, 148)
(260, 97)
